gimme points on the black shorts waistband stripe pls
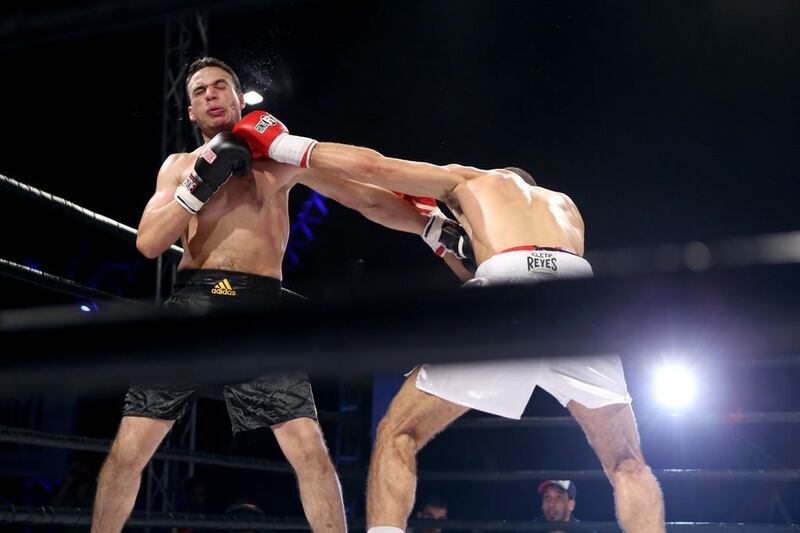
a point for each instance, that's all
(236, 280)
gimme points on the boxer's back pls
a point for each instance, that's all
(501, 211)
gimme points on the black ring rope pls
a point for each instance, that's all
(74, 210)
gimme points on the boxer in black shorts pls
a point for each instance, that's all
(231, 213)
(263, 402)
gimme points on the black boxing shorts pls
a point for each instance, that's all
(263, 402)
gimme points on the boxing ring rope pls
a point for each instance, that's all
(80, 517)
(38, 438)
(55, 283)
(672, 474)
(66, 286)
(66, 516)
(72, 442)
(74, 210)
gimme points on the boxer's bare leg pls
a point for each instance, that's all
(413, 419)
(611, 431)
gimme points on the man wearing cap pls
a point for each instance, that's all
(558, 501)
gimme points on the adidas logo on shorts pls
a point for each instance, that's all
(224, 288)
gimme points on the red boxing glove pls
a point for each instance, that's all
(268, 138)
(424, 205)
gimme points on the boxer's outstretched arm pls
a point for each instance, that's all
(378, 205)
(268, 137)
(363, 164)
(164, 220)
(374, 203)
(457, 266)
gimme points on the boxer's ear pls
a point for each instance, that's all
(526, 176)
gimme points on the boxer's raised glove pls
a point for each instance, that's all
(267, 137)
(224, 155)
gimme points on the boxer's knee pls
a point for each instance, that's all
(126, 457)
(397, 436)
(628, 471)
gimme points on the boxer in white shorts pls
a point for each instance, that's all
(504, 387)
(500, 209)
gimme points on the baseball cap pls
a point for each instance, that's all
(564, 484)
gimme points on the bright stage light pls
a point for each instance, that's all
(252, 98)
(675, 386)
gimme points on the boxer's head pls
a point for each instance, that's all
(522, 174)
(215, 96)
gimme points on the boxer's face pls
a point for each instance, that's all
(215, 104)
(556, 505)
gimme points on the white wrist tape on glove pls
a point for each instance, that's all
(292, 149)
(187, 200)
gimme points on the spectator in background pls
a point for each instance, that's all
(558, 502)
(196, 494)
(243, 510)
(195, 500)
(433, 508)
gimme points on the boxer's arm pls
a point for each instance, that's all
(374, 203)
(378, 205)
(457, 266)
(164, 220)
(363, 164)
(269, 137)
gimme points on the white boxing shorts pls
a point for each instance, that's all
(505, 387)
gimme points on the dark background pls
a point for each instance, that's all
(666, 122)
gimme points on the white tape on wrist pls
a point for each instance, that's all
(187, 200)
(291, 149)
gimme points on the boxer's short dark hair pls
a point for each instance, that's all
(205, 62)
(522, 174)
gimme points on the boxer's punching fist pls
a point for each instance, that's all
(453, 237)
(441, 233)
(224, 155)
(268, 138)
